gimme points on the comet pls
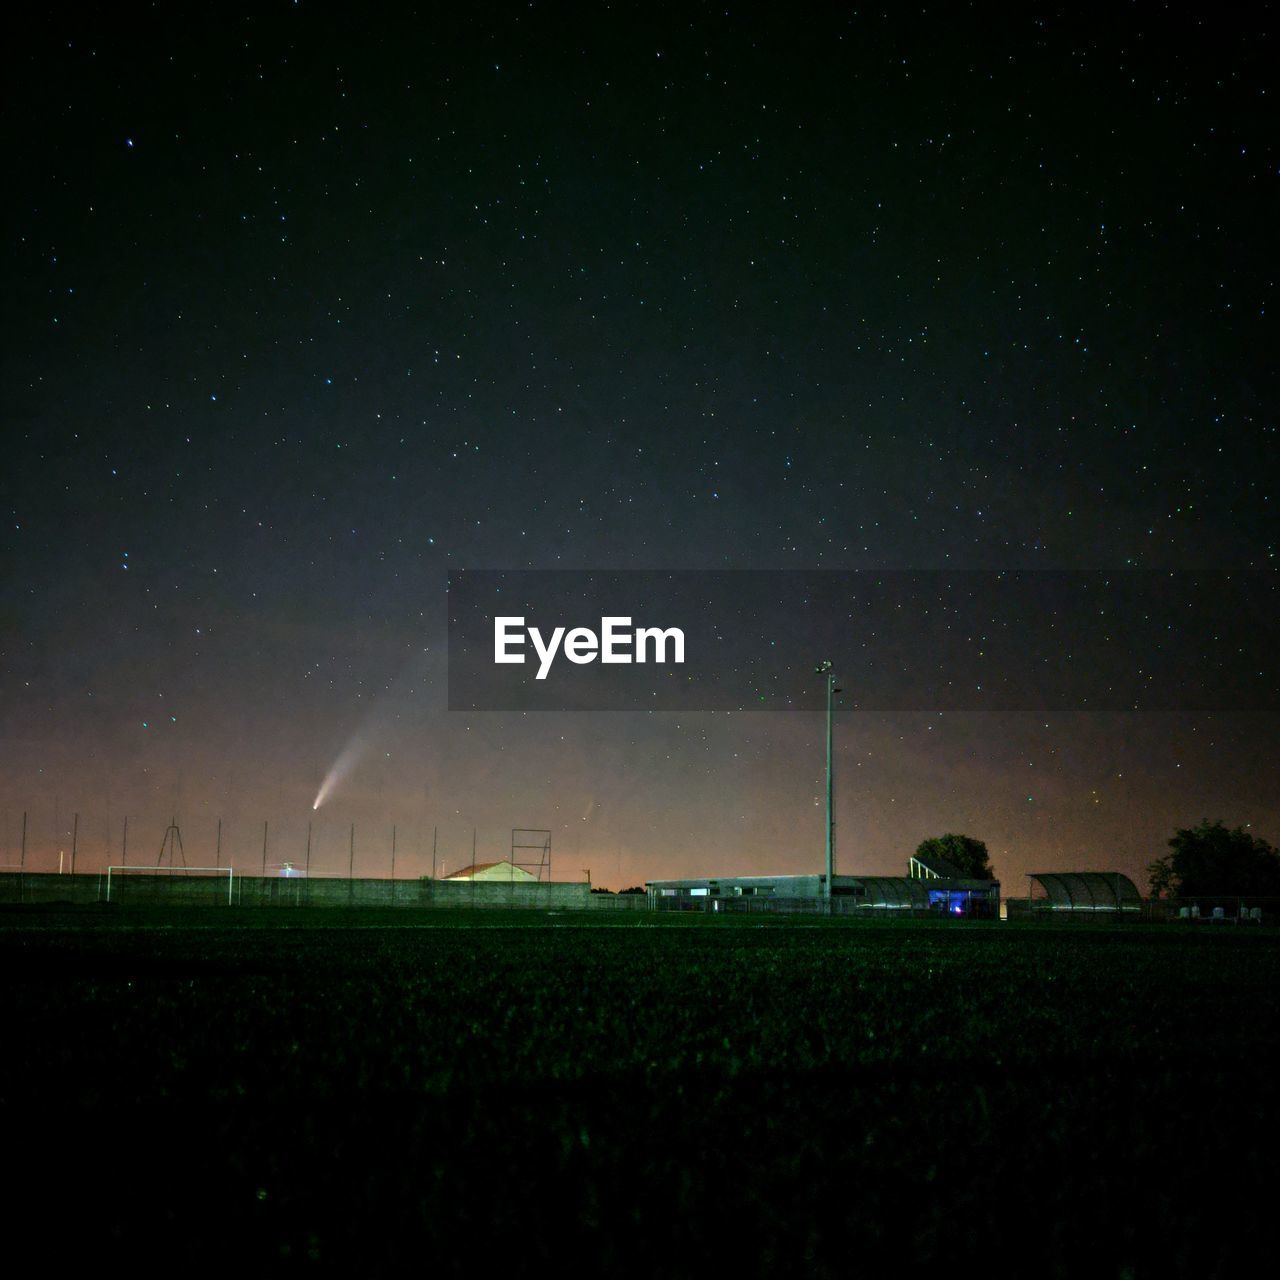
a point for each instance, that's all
(342, 768)
(380, 721)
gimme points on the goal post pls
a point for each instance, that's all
(118, 874)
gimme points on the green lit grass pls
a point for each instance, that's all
(662, 1094)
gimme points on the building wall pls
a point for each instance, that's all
(618, 902)
(850, 895)
(247, 891)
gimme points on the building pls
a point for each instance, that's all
(925, 892)
(501, 872)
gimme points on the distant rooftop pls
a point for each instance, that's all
(468, 872)
(501, 871)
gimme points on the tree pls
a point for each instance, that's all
(967, 855)
(1210, 860)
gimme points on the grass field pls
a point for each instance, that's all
(640, 1094)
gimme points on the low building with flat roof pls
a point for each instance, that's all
(913, 894)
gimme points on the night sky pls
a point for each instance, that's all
(304, 308)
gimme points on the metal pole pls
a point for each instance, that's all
(22, 866)
(264, 851)
(75, 835)
(308, 848)
(217, 855)
(831, 815)
(393, 851)
(124, 843)
(435, 833)
(351, 861)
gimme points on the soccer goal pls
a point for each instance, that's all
(164, 874)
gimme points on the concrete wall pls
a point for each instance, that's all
(618, 902)
(205, 890)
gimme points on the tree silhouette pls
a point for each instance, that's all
(1210, 859)
(967, 855)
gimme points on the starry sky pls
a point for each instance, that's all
(304, 308)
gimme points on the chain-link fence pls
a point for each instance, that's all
(1224, 909)
(184, 887)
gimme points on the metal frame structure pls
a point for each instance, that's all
(530, 840)
(173, 843)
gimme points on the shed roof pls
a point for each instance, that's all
(1087, 890)
(479, 868)
(940, 867)
(471, 870)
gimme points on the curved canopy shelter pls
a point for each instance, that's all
(893, 891)
(1085, 890)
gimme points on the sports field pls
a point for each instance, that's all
(667, 1096)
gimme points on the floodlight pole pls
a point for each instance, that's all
(831, 807)
(824, 669)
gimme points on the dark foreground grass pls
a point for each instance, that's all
(660, 1098)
